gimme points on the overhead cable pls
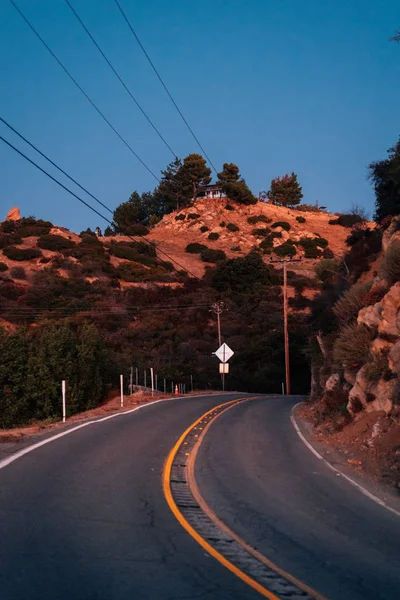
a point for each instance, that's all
(163, 84)
(120, 79)
(82, 90)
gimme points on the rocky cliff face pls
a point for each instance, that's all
(374, 383)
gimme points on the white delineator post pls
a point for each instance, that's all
(152, 380)
(64, 407)
(121, 382)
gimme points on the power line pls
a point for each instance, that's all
(163, 84)
(91, 207)
(120, 79)
(82, 90)
(54, 164)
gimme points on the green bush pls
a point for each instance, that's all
(352, 347)
(203, 228)
(193, 216)
(326, 269)
(20, 254)
(195, 248)
(232, 227)
(346, 220)
(180, 217)
(222, 224)
(276, 234)
(300, 219)
(391, 263)
(213, 236)
(258, 219)
(327, 253)
(212, 256)
(18, 273)
(317, 242)
(57, 243)
(129, 271)
(286, 249)
(7, 227)
(267, 245)
(235, 248)
(9, 239)
(312, 253)
(229, 207)
(3, 267)
(351, 302)
(261, 232)
(284, 224)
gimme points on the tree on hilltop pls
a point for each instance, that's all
(138, 210)
(285, 191)
(169, 192)
(234, 186)
(194, 173)
(385, 177)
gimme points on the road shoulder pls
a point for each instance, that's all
(338, 460)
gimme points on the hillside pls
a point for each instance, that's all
(355, 395)
(86, 309)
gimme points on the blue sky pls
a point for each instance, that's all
(272, 85)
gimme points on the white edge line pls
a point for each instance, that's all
(357, 485)
(10, 459)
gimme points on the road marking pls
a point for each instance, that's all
(207, 510)
(13, 457)
(362, 489)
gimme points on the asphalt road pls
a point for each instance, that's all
(265, 484)
(84, 517)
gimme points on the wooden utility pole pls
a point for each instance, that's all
(218, 308)
(285, 320)
(285, 330)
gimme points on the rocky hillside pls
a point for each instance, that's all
(356, 352)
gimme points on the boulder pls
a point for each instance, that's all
(370, 315)
(332, 382)
(13, 214)
(389, 322)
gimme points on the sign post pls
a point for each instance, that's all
(224, 353)
(121, 382)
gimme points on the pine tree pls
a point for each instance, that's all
(285, 191)
(385, 176)
(234, 186)
(194, 173)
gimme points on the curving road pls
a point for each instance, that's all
(84, 517)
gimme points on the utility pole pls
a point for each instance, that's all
(218, 308)
(285, 318)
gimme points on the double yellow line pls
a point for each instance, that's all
(208, 511)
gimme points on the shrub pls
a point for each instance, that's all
(300, 219)
(180, 217)
(317, 242)
(232, 227)
(391, 263)
(222, 224)
(193, 216)
(7, 227)
(235, 248)
(351, 302)
(19, 254)
(286, 249)
(326, 269)
(18, 273)
(195, 248)
(373, 370)
(9, 239)
(276, 234)
(3, 267)
(309, 208)
(212, 256)
(87, 231)
(312, 253)
(229, 207)
(327, 253)
(267, 245)
(346, 220)
(203, 228)
(213, 235)
(258, 219)
(138, 229)
(129, 271)
(352, 348)
(284, 224)
(55, 243)
(261, 232)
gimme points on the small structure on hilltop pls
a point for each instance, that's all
(13, 214)
(212, 190)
